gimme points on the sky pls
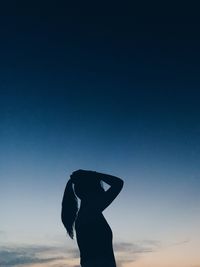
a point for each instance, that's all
(109, 88)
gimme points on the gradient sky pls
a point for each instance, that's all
(112, 89)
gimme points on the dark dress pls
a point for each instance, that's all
(94, 238)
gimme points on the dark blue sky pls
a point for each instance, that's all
(115, 89)
(84, 65)
(85, 71)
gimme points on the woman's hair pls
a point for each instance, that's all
(69, 208)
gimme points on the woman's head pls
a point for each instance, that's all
(86, 185)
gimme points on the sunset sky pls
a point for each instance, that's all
(108, 88)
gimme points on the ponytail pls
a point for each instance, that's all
(69, 208)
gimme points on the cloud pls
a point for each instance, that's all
(129, 252)
(16, 256)
(125, 252)
(179, 243)
(139, 247)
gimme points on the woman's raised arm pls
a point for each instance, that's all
(116, 185)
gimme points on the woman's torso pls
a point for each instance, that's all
(94, 238)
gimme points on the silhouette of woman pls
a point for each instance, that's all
(93, 233)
